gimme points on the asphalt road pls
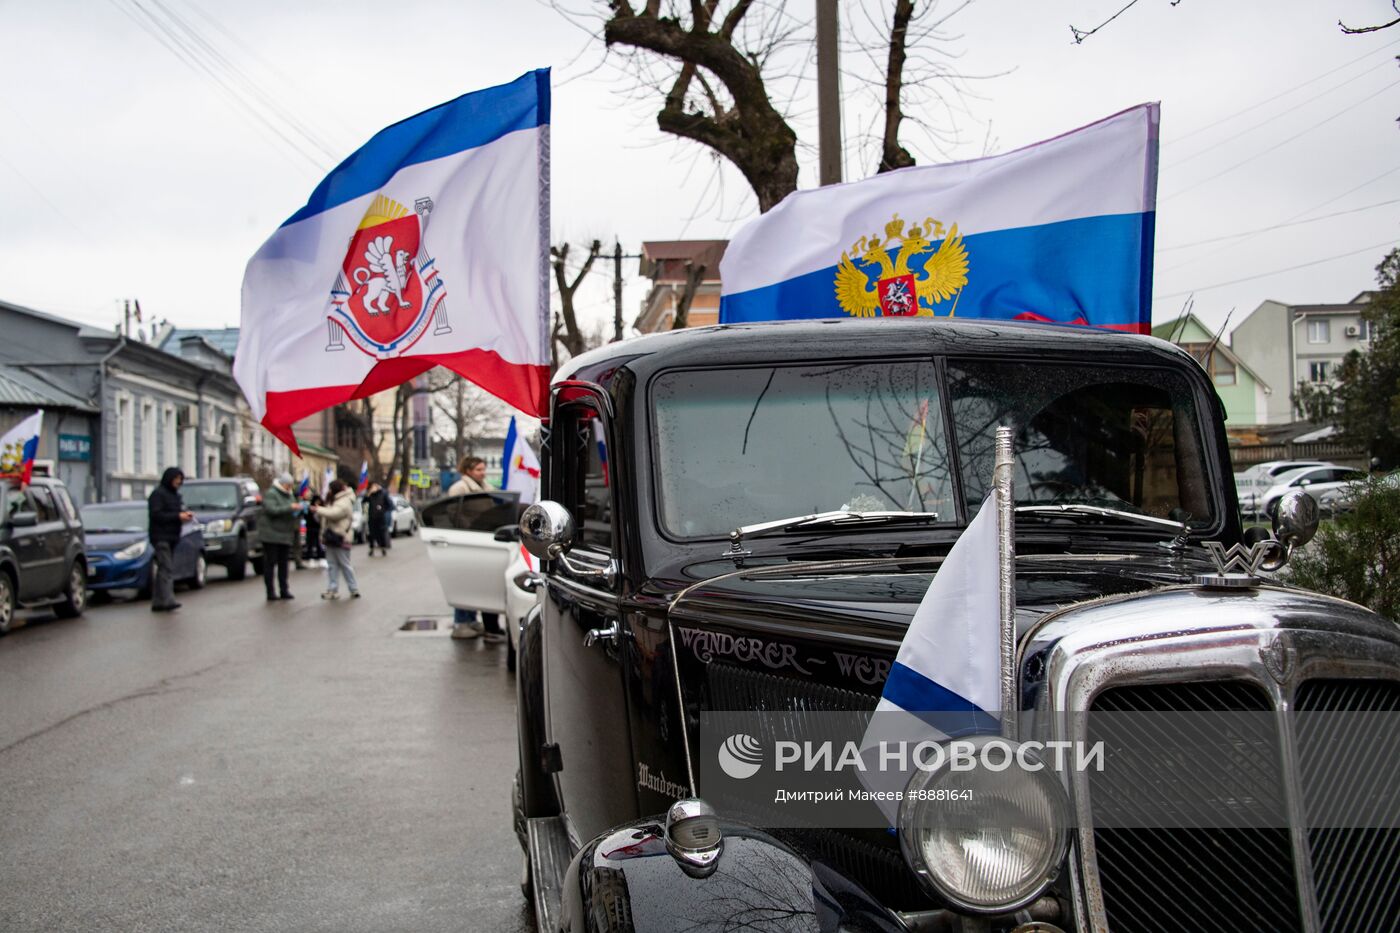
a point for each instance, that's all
(244, 765)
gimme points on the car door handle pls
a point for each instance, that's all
(609, 634)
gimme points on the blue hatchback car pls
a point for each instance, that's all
(119, 552)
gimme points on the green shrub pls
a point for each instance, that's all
(1357, 557)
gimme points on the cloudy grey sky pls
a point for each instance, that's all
(151, 145)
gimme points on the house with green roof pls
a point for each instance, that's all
(1245, 394)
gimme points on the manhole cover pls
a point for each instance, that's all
(424, 627)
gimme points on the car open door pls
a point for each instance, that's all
(460, 532)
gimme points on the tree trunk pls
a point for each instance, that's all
(892, 154)
(693, 275)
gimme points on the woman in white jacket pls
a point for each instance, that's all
(336, 516)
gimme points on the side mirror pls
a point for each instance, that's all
(1304, 482)
(547, 530)
(1295, 519)
(507, 533)
(251, 500)
(24, 519)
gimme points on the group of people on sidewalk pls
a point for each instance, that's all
(329, 534)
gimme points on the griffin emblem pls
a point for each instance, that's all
(901, 274)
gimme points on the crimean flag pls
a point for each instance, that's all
(1061, 231)
(448, 209)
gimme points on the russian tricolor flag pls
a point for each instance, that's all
(428, 246)
(19, 446)
(1059, 231)
(305, 483)
(363, 483)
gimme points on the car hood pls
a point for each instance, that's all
(111, 540)
(204, 516)
(872, 597)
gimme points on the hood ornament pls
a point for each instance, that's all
(1237, 567)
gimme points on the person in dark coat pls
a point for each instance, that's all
(313, 551)
(381, 513)
(166, 516)
(277, 529)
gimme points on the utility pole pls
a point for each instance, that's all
(617, 290)
(828, 94)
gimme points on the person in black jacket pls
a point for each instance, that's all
(381, 513)
(166, 517)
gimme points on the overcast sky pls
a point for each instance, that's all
(150, 146)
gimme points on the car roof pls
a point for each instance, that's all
(730, 344)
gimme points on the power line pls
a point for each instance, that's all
(1279, 226)
(1265, 275)
(1269, 120)
(1276, 146)
(1270, 100)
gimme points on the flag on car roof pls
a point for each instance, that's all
(19, 446)
(946, 680)
(519, 465)
(448, 209)
(1061, 231)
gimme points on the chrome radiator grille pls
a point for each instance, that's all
(1242, 878)
(1354, 870)
(1170, 880)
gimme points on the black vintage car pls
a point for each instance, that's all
(683, 572)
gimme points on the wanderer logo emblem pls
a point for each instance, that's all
(1279, 658)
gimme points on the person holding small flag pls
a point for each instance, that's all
(381, 510)
(277, 530)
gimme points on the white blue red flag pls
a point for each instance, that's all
(428, 246)
(327, 478)
(363, 483)
(305, 483)
(520, 468)
(1060, 231)
(19, 446)
(946, 680)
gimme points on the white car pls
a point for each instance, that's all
(473, 544)
(1337, 501)
(1314, 480)
(357, 522)
(1251, 484)
(405, 520)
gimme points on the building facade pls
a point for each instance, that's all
(142, 409)
(1243, 392)
(1293, 344)
(668, 263)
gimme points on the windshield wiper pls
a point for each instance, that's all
(836, 519)
(1182, 529)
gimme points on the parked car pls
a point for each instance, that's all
(41, 550)
(1252, 483)
(229, 510)
(357, 521)
(774, 502)
(1314, 480)
(474, 547)
(1343, 499)
(120, 555)
(405, 519)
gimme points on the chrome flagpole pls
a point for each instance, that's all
(1006, 578)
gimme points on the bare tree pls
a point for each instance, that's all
(731, 73)
(1357, 30)
(569, 335)
(462, 413)
(694, 275)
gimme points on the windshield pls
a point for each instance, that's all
(743, 446)
(109, 518)
(1118, 437)
(210, 497)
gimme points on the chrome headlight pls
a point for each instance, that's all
(986, 830)
(131, 551)
(220, 526)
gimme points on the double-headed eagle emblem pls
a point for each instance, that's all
(901, 274)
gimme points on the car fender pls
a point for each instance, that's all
(536, 786)
(625, 880)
